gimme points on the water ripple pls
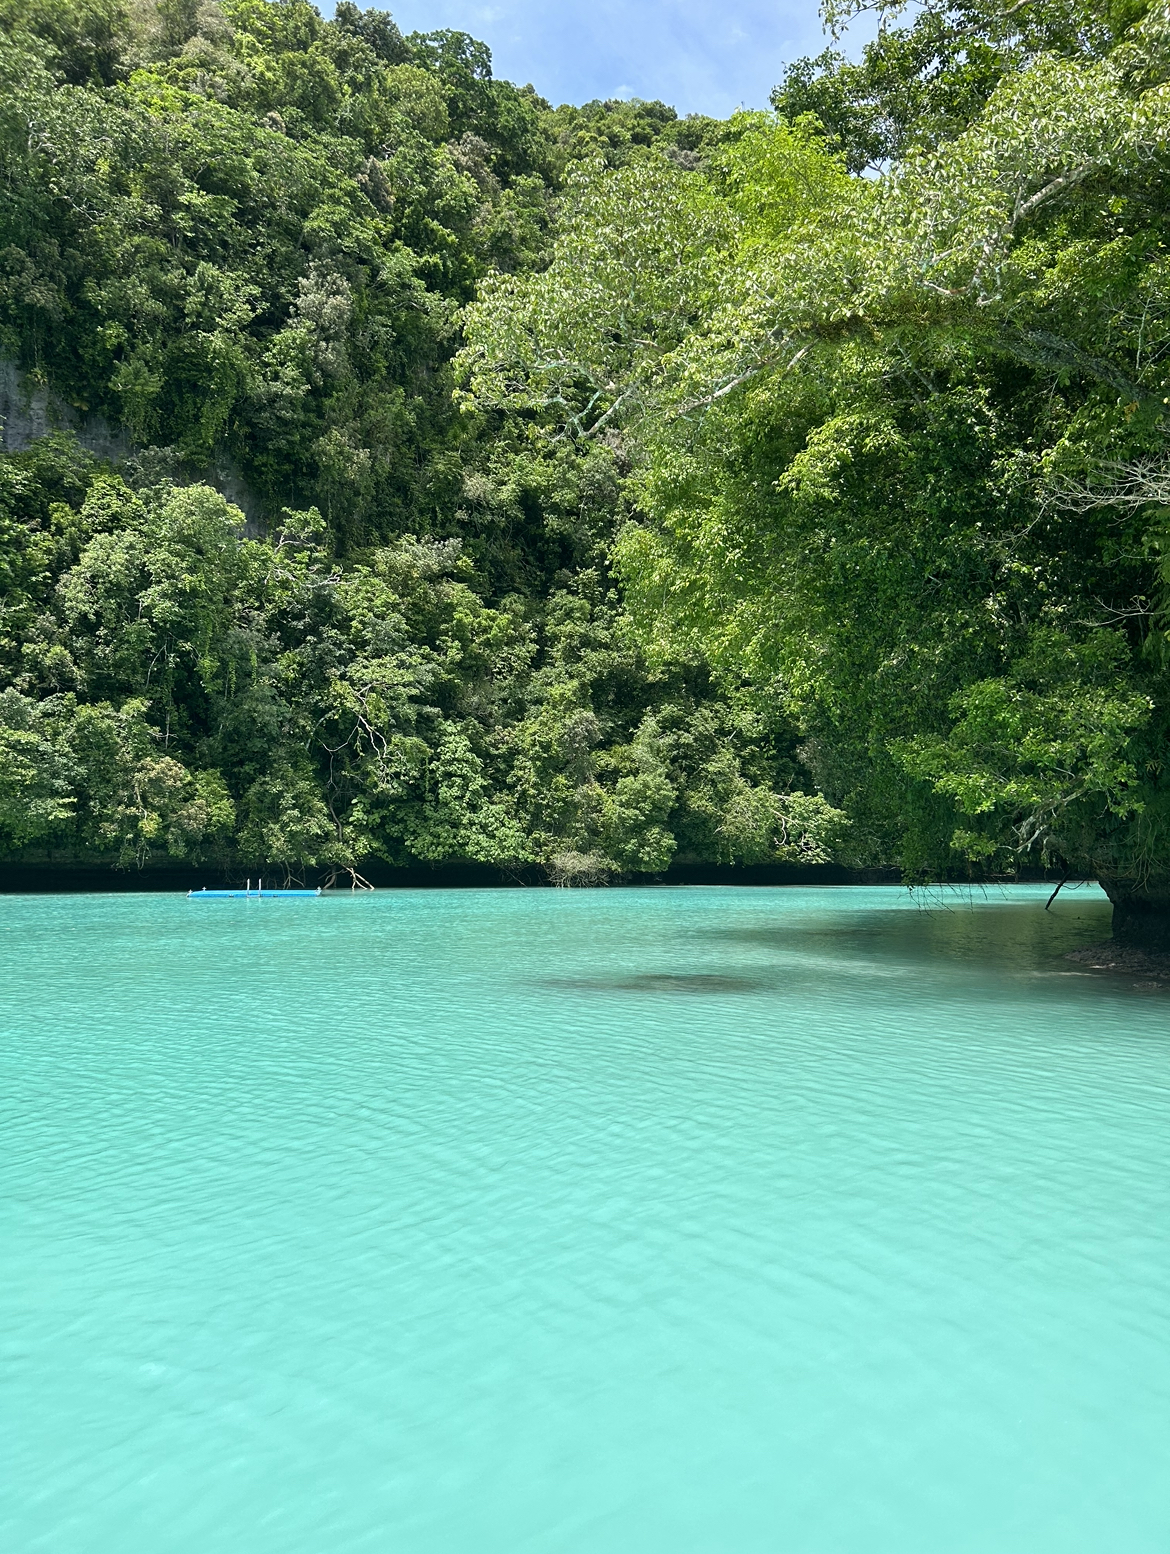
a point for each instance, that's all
(693, 1221)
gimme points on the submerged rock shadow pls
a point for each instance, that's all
(664, 982)
(1013, 935)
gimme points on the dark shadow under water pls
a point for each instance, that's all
(1019, 936)
(665, 982)
(979, 932)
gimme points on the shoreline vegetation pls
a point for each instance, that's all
(29, 876)
(403, 473)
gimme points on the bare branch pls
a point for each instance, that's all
(1051, 190)
(1126, 487)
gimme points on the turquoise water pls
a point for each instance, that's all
(697, 1221)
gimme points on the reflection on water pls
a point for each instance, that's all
(699, 1221)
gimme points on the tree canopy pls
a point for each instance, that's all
(621, 487)
(902, 460)
(246, 236)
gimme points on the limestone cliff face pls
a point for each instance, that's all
(30, 410)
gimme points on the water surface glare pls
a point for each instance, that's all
(668, 1221)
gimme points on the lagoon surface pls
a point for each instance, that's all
(659, 1221)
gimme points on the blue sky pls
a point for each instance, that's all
(700, 56)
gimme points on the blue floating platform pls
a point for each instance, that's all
(246, 895)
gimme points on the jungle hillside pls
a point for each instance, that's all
(400, 467)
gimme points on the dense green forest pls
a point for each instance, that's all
(248, 236)
(620, 487)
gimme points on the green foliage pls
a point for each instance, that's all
(917, 86)
(898, 456)
(176, 688)
(619, 488)
(244, 233)
(628, 278)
